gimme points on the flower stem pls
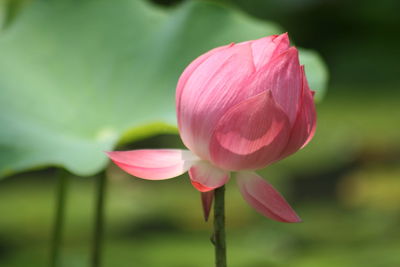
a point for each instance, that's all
(219, 227)
(101, 183)
(62, 187)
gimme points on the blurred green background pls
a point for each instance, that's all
(79, 59)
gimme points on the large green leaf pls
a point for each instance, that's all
(75, 76)
(316, 71)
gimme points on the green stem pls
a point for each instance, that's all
(62, 186)
(97, 245)
(219, 227)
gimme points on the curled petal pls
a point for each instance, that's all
(304, 128)
(265, 199)
(251, 135)
(154, 164)
(206, 201)
(206, 177)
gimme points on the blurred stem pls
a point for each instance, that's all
(62, 187)
(97, 246)
(219, 227)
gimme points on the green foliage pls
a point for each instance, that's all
(160, 224)
(316, 71)
(76, 76)
(9, 9)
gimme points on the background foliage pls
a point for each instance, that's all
(71, 88)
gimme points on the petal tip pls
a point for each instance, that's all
(293, 52)
(206, 201)
(284, 36)
(266, 199)
(295, 219)
(282, 39)
(200, 187)
(205, 177)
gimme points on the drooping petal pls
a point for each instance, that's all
(264, 198)
(206, 177)
(154, 164)
(283, 76)
(212, 88)
(206, 201)
(304, 128)
(266, 48)
(251, 135)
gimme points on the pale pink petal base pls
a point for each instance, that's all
(206, 201)
(264, 198)
(154, 164)
(206, 177)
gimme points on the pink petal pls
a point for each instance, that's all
(206, 201)
(154, 164)
(212, 88)
(250, 135)
(266, 48)
(264, 198)
(304, 128)
(206, 177)
(191, 68)
(308, 113)
(283, 76)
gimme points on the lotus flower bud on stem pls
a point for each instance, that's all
(240, 107)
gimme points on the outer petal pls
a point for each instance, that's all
(250, 135)
(264, 198)
(266, 48)
(304, 128)
(206, 201)
(154, 164)
(212, 88)
(191, 68)
(283, 77)
(307, 112)
(206, 177)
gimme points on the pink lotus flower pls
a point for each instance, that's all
(240, 107)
